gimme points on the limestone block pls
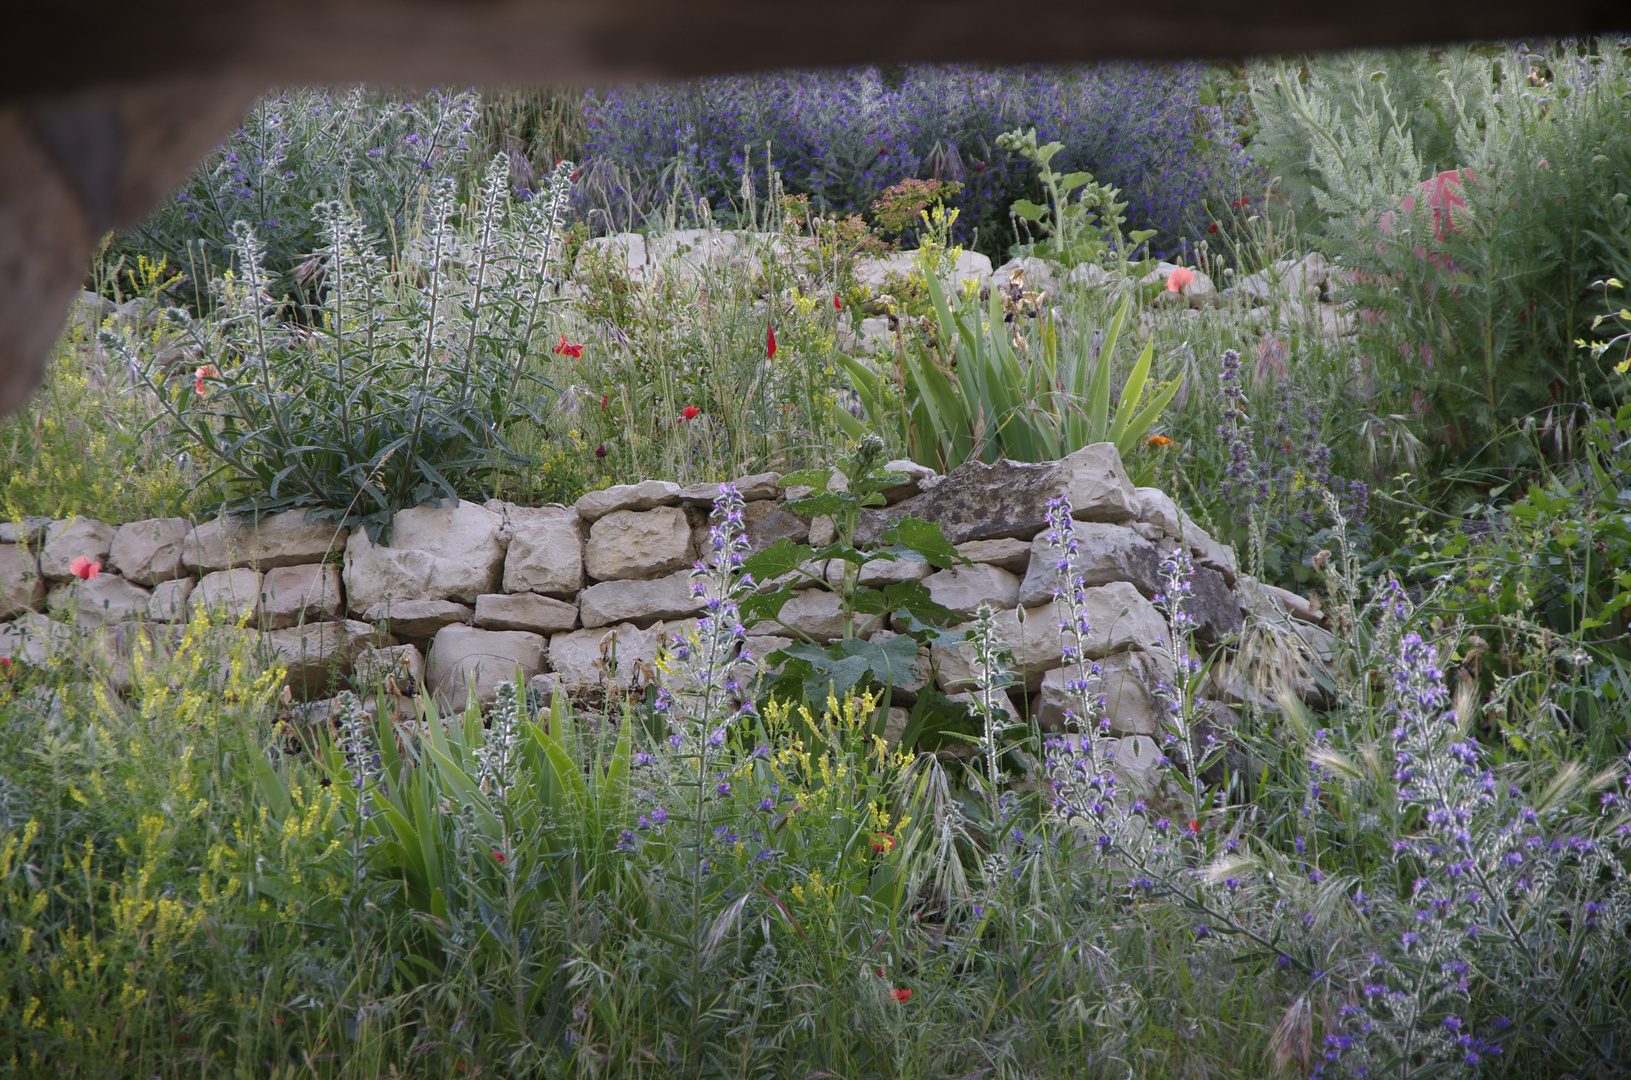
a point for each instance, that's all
(643, 496)
(1011, 555)
(625, 655)
(918, 478)
(629, 545)
(436, 553)
(22, 586)
(148, 552)
(169, 600)
(1215, 609)
(1157, 508)
(33, 637)
(403, 664)
(964, 588)
(464, 655)
(525, 611)
(880, 573)
(318, 655)
(546, 552)
(417, 619)
(1205, 550)
(1097, 485)
(296, 594)
(233, 595)
(640, 602)
(818, 615)
(1105, 553)
(30, 531)
(1127, 682)
(751, 488)
(67, 540)
(106, 598)
(285, 539)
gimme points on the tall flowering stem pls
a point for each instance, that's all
(1178, 710)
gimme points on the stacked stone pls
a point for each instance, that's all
(574, 598)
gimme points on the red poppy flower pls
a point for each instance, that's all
(901, 994)
(1194, 826)
(500, 856)
(883, 843)
(574, 351)
(605, 402)
(1212, 227)
(689, 413)
(83, 568)
(770, 343)
(208, 371)
(1179, 278)
(837, 304)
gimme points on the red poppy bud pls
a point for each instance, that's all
(499, 855)
(1194, 826)
(838, 305)
(770, 343)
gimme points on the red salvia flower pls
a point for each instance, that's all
(500, 856)
(208, 371)
(1194, 826)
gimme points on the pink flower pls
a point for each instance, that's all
(770, 343)
(83, 568)
(208, 371)
(1179, 278)
(689, 413)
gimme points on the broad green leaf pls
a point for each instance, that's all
(782, 557)
(925, 538)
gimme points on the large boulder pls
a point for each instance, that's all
(462, 657)
(639, 602)
(525, 611)
(417, 619)
(546, 551)
(67, 540)
(320, 655)
(106, 598)
(643, 496)
(629, 545)
(436, 553)
(285, 539)
(22, 586)
(231, 595)
(148, 552)
(624, 655)
(964, 588)
(1009, 499)
(1104, 553)
(295, 594)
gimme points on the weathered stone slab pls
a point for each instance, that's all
(436, 553)
(1127, 682)
(880, 573)
(22, 586)
(629, 545)
(644, 496)
(418, 619)
(319, 655)
(232, 595)
(169, 600)
(624, 654)
(33, 637)
(545, 553)
(297, 594)
(286, 539)
(148, 552)
(639, 602)
(106, 598)
(1213, 606)
(818, 614)
(403, 664)
(67, 540)
(462, 657)
(525, 611)
(1105, 553)
(751, 488)
(964, 588)
(1013, 556)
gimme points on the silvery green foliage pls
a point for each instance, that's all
(357, 744)
(495, 757)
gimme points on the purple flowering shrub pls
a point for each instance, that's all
(843, 137)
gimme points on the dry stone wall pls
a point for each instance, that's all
(583, 597)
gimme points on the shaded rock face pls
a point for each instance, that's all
(1213, 606)
(1009, 499)
(286, 539)
(1105, 553)
(319, 656)
(464, 659)
(22, 586)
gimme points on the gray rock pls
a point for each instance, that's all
(766, 522)
(627, 545)
(106, 598)
(545, 552)
(818, 614)
(1013, 556)
(436, 553)
(418, 619)
(295, 594)
(1009, 499)
(1214, 608)
(232, 595)
(318, 656)
(403, 664)
(31, 530)
(880, 573)
(67, 540)
(22, 586)
(639, 602)
(1127, 683)
(169, 600)
(34, 638)
(1205, 550)
(644, 496)
(964, 588)
(751, 488)
(148, 552)
(918, 478)
(525, 611)
(624, 655)
(1157, 508)
(286, 539)
(1105, 553)
(462, 657)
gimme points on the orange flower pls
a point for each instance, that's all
(83, 568)
(901, 994)
(1179, 278)
(1158, 441)
(208, 371)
